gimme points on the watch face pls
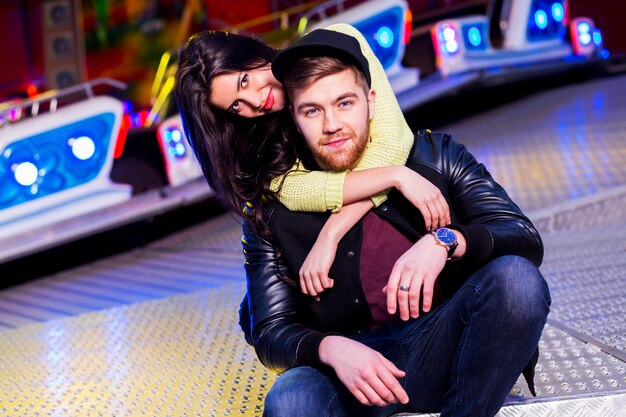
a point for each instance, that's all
(446, 236)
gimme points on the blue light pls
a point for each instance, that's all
(541, 19)
(383, 31)
(83, 147)
(474, 36)
(384, 36)
(26, 174)
(173, 140)
(46, 163)
(583, 27)
(176, 135)
(448, 34)
(585, 39)
(557, 12)
(451, 46)
(597, 37)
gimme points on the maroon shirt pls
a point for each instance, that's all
(381, 247)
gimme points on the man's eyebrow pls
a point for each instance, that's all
(337, 100)
(345, 96)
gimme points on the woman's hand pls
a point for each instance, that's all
(314, 277)
(425, 196)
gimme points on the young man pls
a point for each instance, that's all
(356, 352)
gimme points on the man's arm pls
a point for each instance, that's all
(280, 339)
(488, 225)
(492, 224)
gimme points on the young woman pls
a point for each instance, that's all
(236, 117)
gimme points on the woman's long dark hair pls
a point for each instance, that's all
(239, 157)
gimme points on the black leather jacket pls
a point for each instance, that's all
(286, 326)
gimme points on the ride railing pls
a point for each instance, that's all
(50, 101)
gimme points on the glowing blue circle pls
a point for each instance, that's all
(448, 34)
(597, 37)
(384, 37)
(176, 135)
(557, 12)
(26, 174)
(83, 147)
(474, 36)
(583, 27)
(541, 19)
(451, 46)
(180, 149)
(585, 39)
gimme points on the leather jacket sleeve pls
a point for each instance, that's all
(276, 330)
(491, 222)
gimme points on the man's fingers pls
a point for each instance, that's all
(392, 290)
(428, 292)
(360, 396)
(390, 380)
(403, 300)
(397, 372)
(376, 391)
(414, 297)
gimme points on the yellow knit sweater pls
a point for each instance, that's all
(391, 142)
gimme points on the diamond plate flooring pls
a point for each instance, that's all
(560, 145)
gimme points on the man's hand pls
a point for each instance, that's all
(367, 374)
(417, 269)
(425, 196)
(314, 277)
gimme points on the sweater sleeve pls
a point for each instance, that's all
(304, 190)
(391, 142)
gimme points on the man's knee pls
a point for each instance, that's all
(521, 290)
(300, 391)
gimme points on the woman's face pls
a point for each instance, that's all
(248, 93)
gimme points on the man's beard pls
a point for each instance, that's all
(346, 158)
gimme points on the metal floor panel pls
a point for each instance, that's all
(586, 270)
(611, 406)
(185, 355)
(553, 147)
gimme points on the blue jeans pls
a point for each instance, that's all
(461, 359)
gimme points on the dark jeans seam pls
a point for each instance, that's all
(328, 408)
(468, 328)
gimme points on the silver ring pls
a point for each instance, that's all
(403, 288)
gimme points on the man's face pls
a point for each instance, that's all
(333, 115)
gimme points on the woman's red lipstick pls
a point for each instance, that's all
(269, 101)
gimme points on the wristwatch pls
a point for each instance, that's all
(445, 237)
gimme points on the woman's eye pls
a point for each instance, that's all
(244, 81)
(235, 107)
